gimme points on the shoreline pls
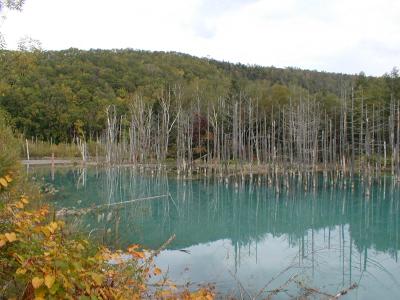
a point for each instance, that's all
(47, 161)
(223, 172)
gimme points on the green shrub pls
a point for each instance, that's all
(8, 145)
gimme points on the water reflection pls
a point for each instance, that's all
(336, 230)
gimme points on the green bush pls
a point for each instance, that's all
(8, 145)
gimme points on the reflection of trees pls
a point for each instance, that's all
(208, 210)
(204, 210)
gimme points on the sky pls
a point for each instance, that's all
(346, 36)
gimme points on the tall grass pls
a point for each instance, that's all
(42, 149)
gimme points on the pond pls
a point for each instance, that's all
(239, 235)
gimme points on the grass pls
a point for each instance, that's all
(41, 149)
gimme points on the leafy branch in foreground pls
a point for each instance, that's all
(46, 264)
(39, 261)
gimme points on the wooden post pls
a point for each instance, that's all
(27, 149)
(52, 166)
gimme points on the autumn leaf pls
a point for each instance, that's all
(19, 205)
(20, 271)
(11, 237)
(52, 227)
(46, 231)
(80, 247)
(164, 293)
(98, 278)
(8, 178)
(133, 247)
(3, 182)
(40, 294)
(157, 271)
(138, 254)
(49, 280)
(37, 282)
(209, 297)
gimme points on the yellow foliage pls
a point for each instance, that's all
(138, 254)
(20, 271)
(52, 227)
(51, 265)
(3, 182)
(8, 178)
(24, 200)
(19, 205)
(11, 237)
(49, 280)
(157, 271)
(37, 282)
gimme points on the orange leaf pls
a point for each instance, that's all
(37, 282)
(11, 237)
(19, 205)
(138, 254)
(157, 271)
(133, 247)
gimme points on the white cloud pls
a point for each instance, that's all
(342, 36)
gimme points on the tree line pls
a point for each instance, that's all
(59, 94)
(150, 106)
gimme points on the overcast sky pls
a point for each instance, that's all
(332, 35)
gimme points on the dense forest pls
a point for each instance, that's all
(145, 106)
(55, 94)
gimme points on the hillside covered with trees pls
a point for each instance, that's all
(56, 94)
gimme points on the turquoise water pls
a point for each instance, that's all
(238, 235)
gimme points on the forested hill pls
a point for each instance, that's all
(54, 94)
